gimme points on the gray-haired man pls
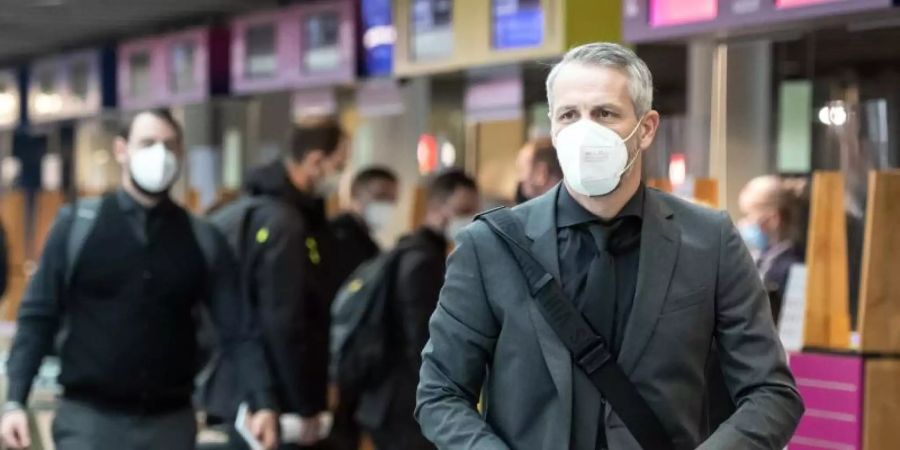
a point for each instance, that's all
(656, 278)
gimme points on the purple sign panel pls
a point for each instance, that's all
(656, 20)
(186, 66)
(165, 70)
(141, 73)
(327, 44)
(300, 46)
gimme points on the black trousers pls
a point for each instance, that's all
(80, 426)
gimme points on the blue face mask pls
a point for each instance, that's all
(754, 237)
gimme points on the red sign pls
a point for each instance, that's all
(800, 3)
(677, 12)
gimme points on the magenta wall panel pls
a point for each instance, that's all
(273, 50)
(658, 20)
(832, 389)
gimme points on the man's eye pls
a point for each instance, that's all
(568, 115)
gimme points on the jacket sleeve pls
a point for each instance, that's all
(39, 313)
(754, 364)
(463, 335)
(293, 327)
(236, 322)
(419, 279)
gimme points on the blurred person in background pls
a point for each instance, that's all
(757, 202)
(287, 270)
(116, 289)
(386, 410)
(539, 169)
(373, 207)
(774, 225)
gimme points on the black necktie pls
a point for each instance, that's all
(598, 300)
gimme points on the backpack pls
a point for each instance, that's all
(233, 221)
(359, 324)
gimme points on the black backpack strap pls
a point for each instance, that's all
(84, 214)
(589, 350)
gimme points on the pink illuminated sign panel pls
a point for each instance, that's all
(800, 3)
(677, 12)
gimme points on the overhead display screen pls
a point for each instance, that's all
(181, 66)
(321, 37)
(261, 57)
(517, 23)
(79, 79)
(432, 29)
(139, 82)
(679, 12)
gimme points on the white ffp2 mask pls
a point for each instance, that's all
(379, 215)
(153, 168)
(593, 157)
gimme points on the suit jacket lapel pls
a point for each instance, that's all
(540, 227)
(660, 241)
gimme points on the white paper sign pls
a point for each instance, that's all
(240, 425)
(791, 324)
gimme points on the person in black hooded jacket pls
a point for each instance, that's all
(289, 277)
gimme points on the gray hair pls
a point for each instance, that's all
(606, 54)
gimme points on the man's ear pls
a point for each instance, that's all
(648, 129)
(120, 150)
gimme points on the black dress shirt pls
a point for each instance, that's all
(577, 249)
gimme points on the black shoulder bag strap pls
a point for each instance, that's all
(589, 350)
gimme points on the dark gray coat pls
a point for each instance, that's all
(696, 282)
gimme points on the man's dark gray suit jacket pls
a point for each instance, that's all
(696, 283)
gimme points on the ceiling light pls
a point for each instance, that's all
(825, 115)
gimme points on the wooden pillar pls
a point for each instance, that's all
(879, 299)
(827, 291)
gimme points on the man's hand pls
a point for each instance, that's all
(14, 429)
(309, 430)
(264, 427)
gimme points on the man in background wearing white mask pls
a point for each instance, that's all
(373, 209)
(651, 282)
(116, 291)
(287, 262)
(386, 410)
